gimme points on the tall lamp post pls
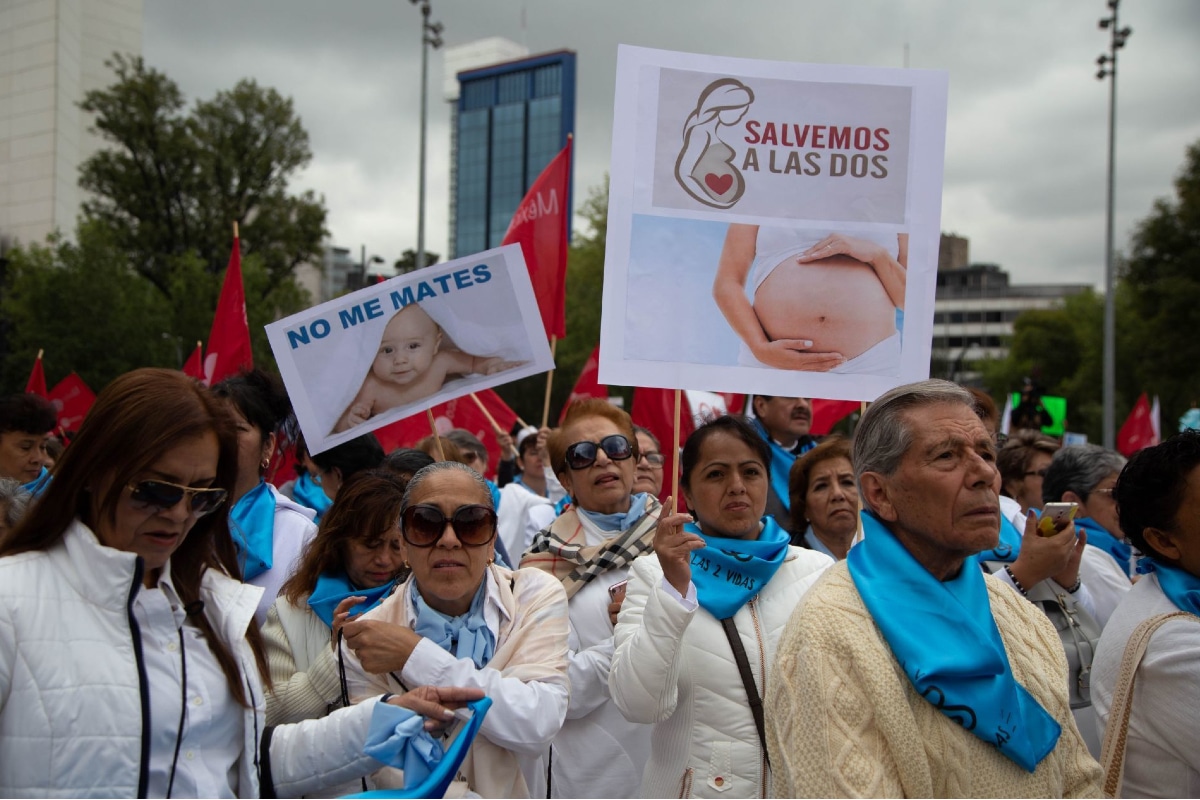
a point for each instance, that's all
(431, 36)
(1108, 68)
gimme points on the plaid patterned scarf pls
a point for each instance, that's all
(561, 549)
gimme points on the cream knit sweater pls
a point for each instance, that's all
(843, 720)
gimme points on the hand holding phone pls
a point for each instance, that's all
(1056, 517)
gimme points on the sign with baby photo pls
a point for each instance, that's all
(773, 228)
(394, 349)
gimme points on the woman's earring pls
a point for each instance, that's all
(491, 561)
(266, 462)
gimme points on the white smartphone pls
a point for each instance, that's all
(1055, 517)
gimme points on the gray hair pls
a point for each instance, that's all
(1080, 469)
(14, 499)
(467, 441)
(884, 435)
(443, 466)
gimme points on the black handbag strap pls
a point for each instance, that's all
(743, 665)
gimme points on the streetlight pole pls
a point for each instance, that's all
(430, 37)
(1108, 68)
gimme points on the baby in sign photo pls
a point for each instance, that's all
(414, 360)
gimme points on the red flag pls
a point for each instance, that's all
(194, 368)
(1138, 430)
(37, 378)
(588, 384)
(540, 226)
(229, 341)
(827, 413)
(72, 399)
(461, 412)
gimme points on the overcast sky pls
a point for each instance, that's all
(1026, 147)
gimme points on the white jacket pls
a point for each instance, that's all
(674, 667)
(72, 702)
(293, 530)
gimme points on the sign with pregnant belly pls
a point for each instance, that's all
(772, 227)
(394, 349)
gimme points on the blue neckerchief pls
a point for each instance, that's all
(397, 738)
(252, 523)
(620, 521)
(309, 494)
(332, 589)
(728, 572)
(816, 544)
(1098, 536)
(1181, 588)
(781, 465)
(562, 505)
(1009, 546)
(495, 490)
(467, 636)
(38, 485)
(944, 637)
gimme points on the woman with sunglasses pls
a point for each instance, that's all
(461, 619)
(349, 568)
(697, 633)
(270, 530)
(589, 549)
(130, 662)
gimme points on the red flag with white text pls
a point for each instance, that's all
(72, 399)
(540, 226)
(588, 384)
(461, 412)
(37, 378)
(229, 342)
(1138, 430)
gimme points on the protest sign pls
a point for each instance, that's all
(396, 348)
(773, 227)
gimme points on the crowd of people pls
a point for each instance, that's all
(887, 614)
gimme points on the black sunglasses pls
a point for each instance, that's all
(582, 455)
(163, 495)
(423, 525)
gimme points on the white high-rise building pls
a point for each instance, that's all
(51, 53)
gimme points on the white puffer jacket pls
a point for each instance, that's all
(72, 717)
(674, 667)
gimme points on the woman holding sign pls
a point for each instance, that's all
(696, 635)
(820, 302)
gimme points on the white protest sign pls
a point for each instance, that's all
(773, 228)
(394, 349)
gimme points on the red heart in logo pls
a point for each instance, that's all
(718, 184)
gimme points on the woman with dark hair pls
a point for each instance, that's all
(406, 462)
(305, 488)
(350, 566)
(130, 662)
(337, 464)
(1158, 500)
(270, 530)
(697, 633)
(471, 622)
(824, 499)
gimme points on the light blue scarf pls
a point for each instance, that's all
(309, 494)
(38, 485)
(944, 637)
(1181, 588)
(1009, 546)
(252, 523)
(397, 738)
(332, 589)
(781, 465)
(620, 521)
(728, 572)
(1098, 536)
(467, 636)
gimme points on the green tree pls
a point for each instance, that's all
(1162, 276)
(407, 261)
(172, 182)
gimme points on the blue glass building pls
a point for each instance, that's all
(510, 120)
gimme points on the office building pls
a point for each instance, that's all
(509, 121)
(51, 53)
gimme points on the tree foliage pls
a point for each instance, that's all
(171, 183)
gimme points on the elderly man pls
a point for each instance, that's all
(783, 422)
(907, 671)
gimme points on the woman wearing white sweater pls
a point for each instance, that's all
(725, 583)
(349, 568)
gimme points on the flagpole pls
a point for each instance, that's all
(549, 382)
(437, 439)
(495, 426)
(675, 454)
(235, 229)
